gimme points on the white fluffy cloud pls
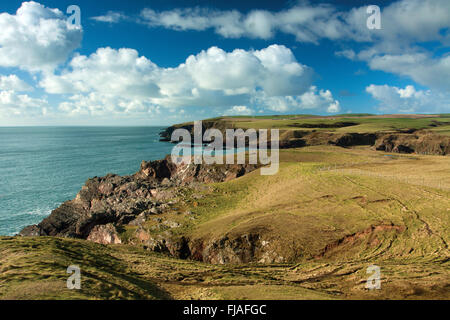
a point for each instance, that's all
(421, 67)
(274, 69)
(397, 47)
(307, 23)
(112, 80)
(36, 38)
(13, 104)
(404, 20)
(14, 83)
(98, 104)
(238, 111)
(313, 99)
(121, 72)
(408, 99)
(110, 17)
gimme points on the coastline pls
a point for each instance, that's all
(41, 167)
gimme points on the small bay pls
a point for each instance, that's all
(41, 167)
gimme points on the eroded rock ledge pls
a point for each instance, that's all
(399, 141)
(115, 200)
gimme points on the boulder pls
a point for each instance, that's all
(32, 231)
(104, 234)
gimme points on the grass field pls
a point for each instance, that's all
(362, 123)
(330, 212)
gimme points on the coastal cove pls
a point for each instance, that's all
(41, 167)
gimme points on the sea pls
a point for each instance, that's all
(41, 167)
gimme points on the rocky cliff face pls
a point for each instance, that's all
(106, 204)
(206, 124)
(407, 141)
(421, 142)
(234, 249)
(115, 200)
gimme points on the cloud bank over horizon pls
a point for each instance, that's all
(43, 74)
(212, 78)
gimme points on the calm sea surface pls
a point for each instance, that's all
(41, 167)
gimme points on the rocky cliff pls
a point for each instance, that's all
(113, 201)
(401, 141)
(421, 142)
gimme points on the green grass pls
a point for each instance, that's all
(364, 125)
(35, 268)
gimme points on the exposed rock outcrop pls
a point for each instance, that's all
(166, 243)
(369, 234)
(32, 231)
(421, 142)
(184, 174)
(402, 141)
(109, 199)
(129, 199)
(104, 234)
(239, 249)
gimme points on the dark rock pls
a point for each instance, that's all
(421, 142)
(140, 219)
(32, 231)
(355, 139)
(243, 248)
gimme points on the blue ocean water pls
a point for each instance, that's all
(41, 167)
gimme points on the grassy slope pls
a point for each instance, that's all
(35, 268)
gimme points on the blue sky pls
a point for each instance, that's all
(161, 62)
